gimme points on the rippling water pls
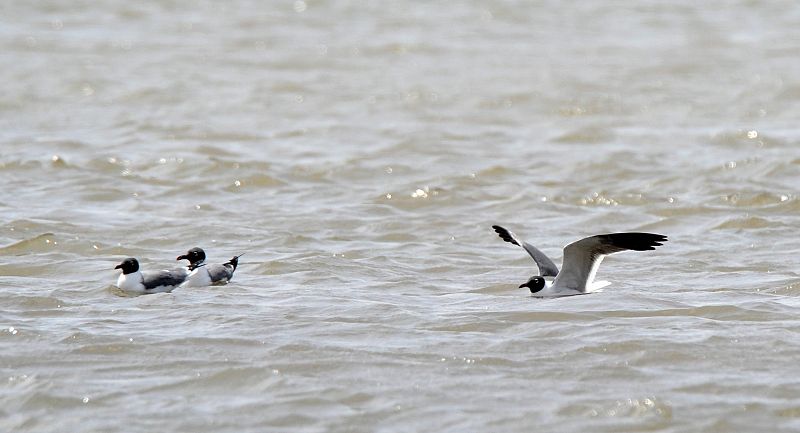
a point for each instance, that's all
(359, 153)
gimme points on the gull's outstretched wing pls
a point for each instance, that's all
(583, 257)
(546, 266)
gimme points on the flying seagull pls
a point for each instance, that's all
(581, 260)
(202, 274)
(134, 281)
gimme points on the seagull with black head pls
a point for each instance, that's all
(202, 274)
(133, 280)
(581, 260)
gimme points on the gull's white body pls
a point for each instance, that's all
(213, 274)
(199, 277)
(207, 275)
(135, 283)
(133, 280)
(551, 290)
(202, 274)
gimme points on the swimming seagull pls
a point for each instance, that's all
(134, 281)
(202, 274)
(581, 260)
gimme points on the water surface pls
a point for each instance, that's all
(359, 153)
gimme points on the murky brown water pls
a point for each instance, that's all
(359, 153)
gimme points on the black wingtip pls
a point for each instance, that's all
(505, 234)
(637, 241)
(235, 261)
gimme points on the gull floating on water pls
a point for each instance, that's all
(202, 274)
(134, 281)
(581, 260)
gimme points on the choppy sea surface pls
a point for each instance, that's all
(358, 152)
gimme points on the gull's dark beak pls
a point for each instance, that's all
(119, 266)
(523, 285)
(183, 257)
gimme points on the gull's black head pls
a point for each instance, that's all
(128, 266)
(534, 283)
(195, 256)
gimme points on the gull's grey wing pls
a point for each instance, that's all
(151, 280)
(582, 258)
(219, 273)
(546, 266)
(184, 270)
